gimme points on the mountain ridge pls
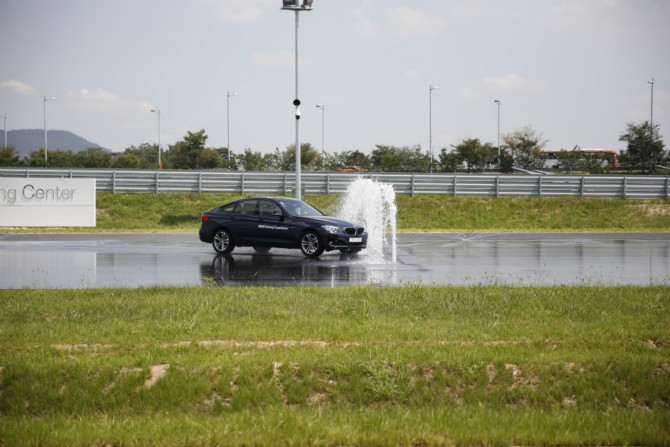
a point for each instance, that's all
(28, 140)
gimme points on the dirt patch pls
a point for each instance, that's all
(103, 212)
(77, 346)
(262, 343)
(491, 372)
(570, 401)
(657, 209)
(157, 373)
(654, 344)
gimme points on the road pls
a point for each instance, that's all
(140, 260)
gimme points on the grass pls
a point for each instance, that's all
(361, 365)
(181, 213)
(352, 366)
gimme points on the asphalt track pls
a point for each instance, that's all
(143, 260)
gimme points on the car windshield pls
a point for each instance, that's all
(299, 208)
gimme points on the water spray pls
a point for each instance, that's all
(372, 204)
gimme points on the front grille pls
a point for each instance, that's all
(353, 231)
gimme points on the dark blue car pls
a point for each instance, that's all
(266, 222)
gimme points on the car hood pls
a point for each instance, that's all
(327, 220)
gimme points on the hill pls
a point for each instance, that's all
(27, 140)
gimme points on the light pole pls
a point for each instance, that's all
(430, 123)
(46, 98)
(497, 101)
(651, 122)
(296, 7)
(323, 132)
(5, 118)
(229, 94)
(158, 113)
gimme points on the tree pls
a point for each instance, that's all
(126, 160)
(93, 157)
(644, 147)
(55, 159)
(147, 154)
(9, 156)
(227, 161)
(506, 161)
(310, 158)
(254, 161)
(208, 159)
(526, 146)
(448, 161)
(569, 160)
(594, 163)
(184, 154)
(345, 159)
(395, 159)
(475, 154)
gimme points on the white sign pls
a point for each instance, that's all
(40, 202)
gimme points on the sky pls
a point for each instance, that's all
(575, 71)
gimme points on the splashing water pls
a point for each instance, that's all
(372, 204)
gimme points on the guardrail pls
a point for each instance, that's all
(109, 180)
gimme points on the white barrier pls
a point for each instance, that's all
(43, 202)
(489, 185)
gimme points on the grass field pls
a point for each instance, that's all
(181, 213)
(361, 365)
(353, 366)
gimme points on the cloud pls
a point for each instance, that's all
(363, 25)
(281, 58)
(18, 87)
(115, 121)
(101, 101)
(513, 82)
(410, 73)
(582, 6)
(508, 83)
(405, 21)
(237, 10)
(398, 21)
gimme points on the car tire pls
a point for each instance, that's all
(262, 249)
(223, 241)
(311, 245)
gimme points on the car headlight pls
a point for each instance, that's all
(332, 229)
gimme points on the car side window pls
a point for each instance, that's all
(269, 208)
(247, 207)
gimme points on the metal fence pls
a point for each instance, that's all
(108, 180)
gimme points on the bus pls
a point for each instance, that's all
(552, 158)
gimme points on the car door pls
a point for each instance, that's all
(274, 229)
(244, 226)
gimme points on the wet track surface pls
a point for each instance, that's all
(142, 260)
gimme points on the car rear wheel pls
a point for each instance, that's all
(311, 245)
(223, 241)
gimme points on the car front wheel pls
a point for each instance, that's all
(311, 245)
(223, 241)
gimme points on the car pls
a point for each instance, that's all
(267, 222)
